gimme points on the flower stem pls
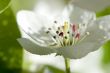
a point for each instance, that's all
(67, 65)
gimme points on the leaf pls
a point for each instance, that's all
(106, 50)
(10, 51)
(4, 4)
(104, 12)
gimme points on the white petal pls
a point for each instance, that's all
(60, 20)
(78, 15)
(33, 25)
(34, 48)
(99, 34)
(79, 50)
(30, 21)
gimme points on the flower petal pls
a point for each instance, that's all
(34, 48)
(99, 33)
(33, 25)
(30, 21)
(78, 15)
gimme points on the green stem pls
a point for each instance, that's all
(67, 65)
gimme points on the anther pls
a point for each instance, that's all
(49, 28)
(47, 32)
(65, 37)
(54, 37)
(61, 34)
(58, 28)
(57, 32)
(55, 21)
(68, 32)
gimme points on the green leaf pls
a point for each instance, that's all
(104, 12)
(4, 4)
(10, 51)
(106, 50)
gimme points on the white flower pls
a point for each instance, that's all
(73, 33)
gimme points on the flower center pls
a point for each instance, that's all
(68, 34)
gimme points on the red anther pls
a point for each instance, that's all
(61, 34)
(74, 27)
(77, 35)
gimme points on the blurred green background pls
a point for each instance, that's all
(11, 53)
(10, 50)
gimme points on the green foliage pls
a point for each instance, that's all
(106, 50)
(104, 12)
(10, 50)
(4, 4)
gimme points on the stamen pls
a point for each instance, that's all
(57, 32)
(66, 26)
(49, 28)
(67, 34)
(74, 28)
(55, 21)
(47, 32)
(58, 28)
(77, 35)
(66, 37)
(87, 33)
(54, 37)
(61, 34)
